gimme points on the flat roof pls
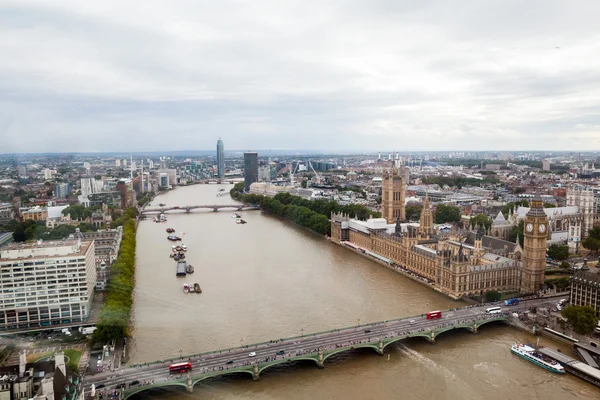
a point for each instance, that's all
(45, 249)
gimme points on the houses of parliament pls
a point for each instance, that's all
(454, 264)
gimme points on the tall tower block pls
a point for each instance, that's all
(393, 193)
(534, 246)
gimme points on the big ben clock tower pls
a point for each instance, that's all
(534, 247)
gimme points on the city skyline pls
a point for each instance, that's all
(347, 76)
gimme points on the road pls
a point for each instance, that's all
(293, 347)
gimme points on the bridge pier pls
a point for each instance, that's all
(380, 347)
(187, 210)
(475, 328)
(190, 385)
(255, 372)
(320, 360)
(431, 338)
(215, 209)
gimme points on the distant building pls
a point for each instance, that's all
(585, 290)
(90, 185)
(6, 212)
(118, 163)
(264, 173)
(50, 283)
(5, 237)
(109, 198)
(250, 169)
(106, 243)
(62, 190)
(492, 167)
(34, 214)
(546, 165)
(49, 174)
(164, 163)
(55, 217)
(266, 189)
(22, 170)
(220, 159)
(163, 179)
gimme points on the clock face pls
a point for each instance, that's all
(529, 227)
(542, 228)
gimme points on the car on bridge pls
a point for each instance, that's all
(280, 353)
(136, 382)
(412, 322)
(229, 362)
(367, 331)
(100, 386)
(253, 354)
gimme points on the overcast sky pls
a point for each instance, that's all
(332, 75)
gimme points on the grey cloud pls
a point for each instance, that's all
(405, 75)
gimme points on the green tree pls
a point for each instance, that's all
(582, 318)
(413, 213)
(591, 244)
(492, 295)
(19, 233)
(77, 212)
(304, 183)
(517, 231)
(481, 220)
(549, 205)
(558, 252)
(447, 213)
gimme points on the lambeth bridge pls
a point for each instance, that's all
(315, 347)
(187, 209)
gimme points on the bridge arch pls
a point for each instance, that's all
(453, 328)
(287, 361)
(130, 392)
(247, 370)
(353, 347)
(487, 321)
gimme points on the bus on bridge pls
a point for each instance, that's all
(180, 367)
(434, 314)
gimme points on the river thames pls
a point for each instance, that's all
(270, 279)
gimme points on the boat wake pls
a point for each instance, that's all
(465, 389)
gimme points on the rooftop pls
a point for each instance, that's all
(43, 249)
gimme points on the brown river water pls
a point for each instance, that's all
(270, 279)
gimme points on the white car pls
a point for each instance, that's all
(412, 322)
(253, 354)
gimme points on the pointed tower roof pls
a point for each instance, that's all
(500, 220)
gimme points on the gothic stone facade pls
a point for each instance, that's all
(455, 268)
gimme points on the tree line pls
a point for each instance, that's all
(312, 214)
(116, 309)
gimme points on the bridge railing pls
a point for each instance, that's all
(250, 346)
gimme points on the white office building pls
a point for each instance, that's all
(46, 283)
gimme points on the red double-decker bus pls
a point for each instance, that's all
(434, 314)
(180, 367)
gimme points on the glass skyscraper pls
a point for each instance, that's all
(250, 169)
(220, 159)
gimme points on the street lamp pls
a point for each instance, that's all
(358, 322)
(302, 331)
(242, 343)
(181, 353)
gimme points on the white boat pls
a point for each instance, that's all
(186, 288)
(530, 354)
(239, 221)
(183, 247)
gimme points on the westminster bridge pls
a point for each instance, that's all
(314, 347)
